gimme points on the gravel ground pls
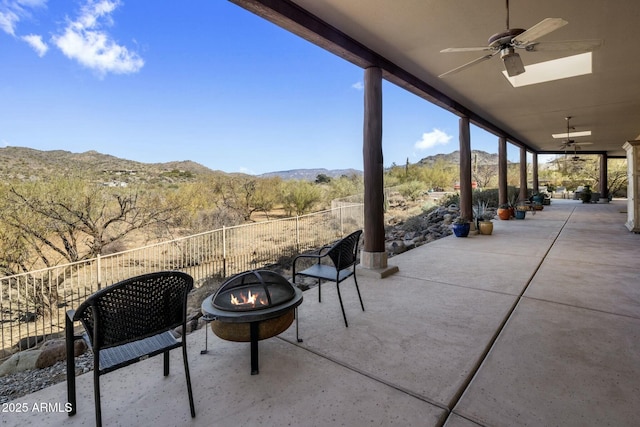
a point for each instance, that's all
(22, 383)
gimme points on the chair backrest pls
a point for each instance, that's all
(344, 253)
(135, 308)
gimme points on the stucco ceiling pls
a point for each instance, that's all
(409, 35)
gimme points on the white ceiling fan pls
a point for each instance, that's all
(506, 42)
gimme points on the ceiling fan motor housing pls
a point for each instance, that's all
(504, 38)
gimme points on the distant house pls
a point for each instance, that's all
(115, 184)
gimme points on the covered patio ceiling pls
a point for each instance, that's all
(405, 38)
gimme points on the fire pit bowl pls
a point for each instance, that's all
(252, 306)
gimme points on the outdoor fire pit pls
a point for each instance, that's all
(252, 306)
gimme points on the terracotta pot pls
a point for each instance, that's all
(504, 213)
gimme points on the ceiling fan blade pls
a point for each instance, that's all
(542, 28)
(465, 49)
(582, 143)
(468, 64)
(575, 45)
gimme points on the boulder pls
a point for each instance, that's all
(396, 247)
(19, 362)
(55, 351)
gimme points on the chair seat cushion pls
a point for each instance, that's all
(326, 272)
(115, 357)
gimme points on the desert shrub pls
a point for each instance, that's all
(214, 219)
(411, 190)
(489, 196)
(450, 199)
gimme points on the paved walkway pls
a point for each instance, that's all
(536, 325)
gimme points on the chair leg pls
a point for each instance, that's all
(358, 289)
(297, 326)
(319, 290)
(186, 371)
(341, 305)
(71, 366)
(166, 363)
(96, 391)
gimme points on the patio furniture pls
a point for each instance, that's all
(335, 263)
(128, 322)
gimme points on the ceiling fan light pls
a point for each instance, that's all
(571, 134)
(512, 62)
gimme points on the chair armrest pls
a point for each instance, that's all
(307, 256)
(69, 329)
(323, 248)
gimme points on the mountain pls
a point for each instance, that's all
(23, 163)
(311, 174)
(478, 157)
(29, 164)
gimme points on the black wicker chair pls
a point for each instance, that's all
(128, 322)
(343, 255)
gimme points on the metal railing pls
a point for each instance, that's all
(33, 305)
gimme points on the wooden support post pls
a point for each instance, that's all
(374, 255)
(466, 208)
(534, 168)
(503, 191)
(523, 174)
(604, 178)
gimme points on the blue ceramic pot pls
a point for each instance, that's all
(520, 214)
(461, 230)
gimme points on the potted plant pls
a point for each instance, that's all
(521, 211)
(536, 201)
(479, 211)
(461, 226)
(585, 194)
(485, 226)
(504, 212)
(537, 198)
(513, 202)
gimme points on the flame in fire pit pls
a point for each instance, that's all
(249, 299)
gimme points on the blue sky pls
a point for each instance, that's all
(200, 80)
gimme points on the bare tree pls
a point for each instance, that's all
(73, 220)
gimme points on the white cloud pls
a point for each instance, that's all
(357, 86)
(85, 41)
(431, 139)
(13, 11)
(8, 21)
(35, 41)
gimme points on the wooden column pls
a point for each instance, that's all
(523, 174)
(503, 191)
(604, 178)
(373, 255)
(466, 208)
(534, 167)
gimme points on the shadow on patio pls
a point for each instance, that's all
(537, 325)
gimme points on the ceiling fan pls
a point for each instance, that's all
(506, 42)
(568, 142)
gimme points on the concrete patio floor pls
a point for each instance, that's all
(536, 325)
